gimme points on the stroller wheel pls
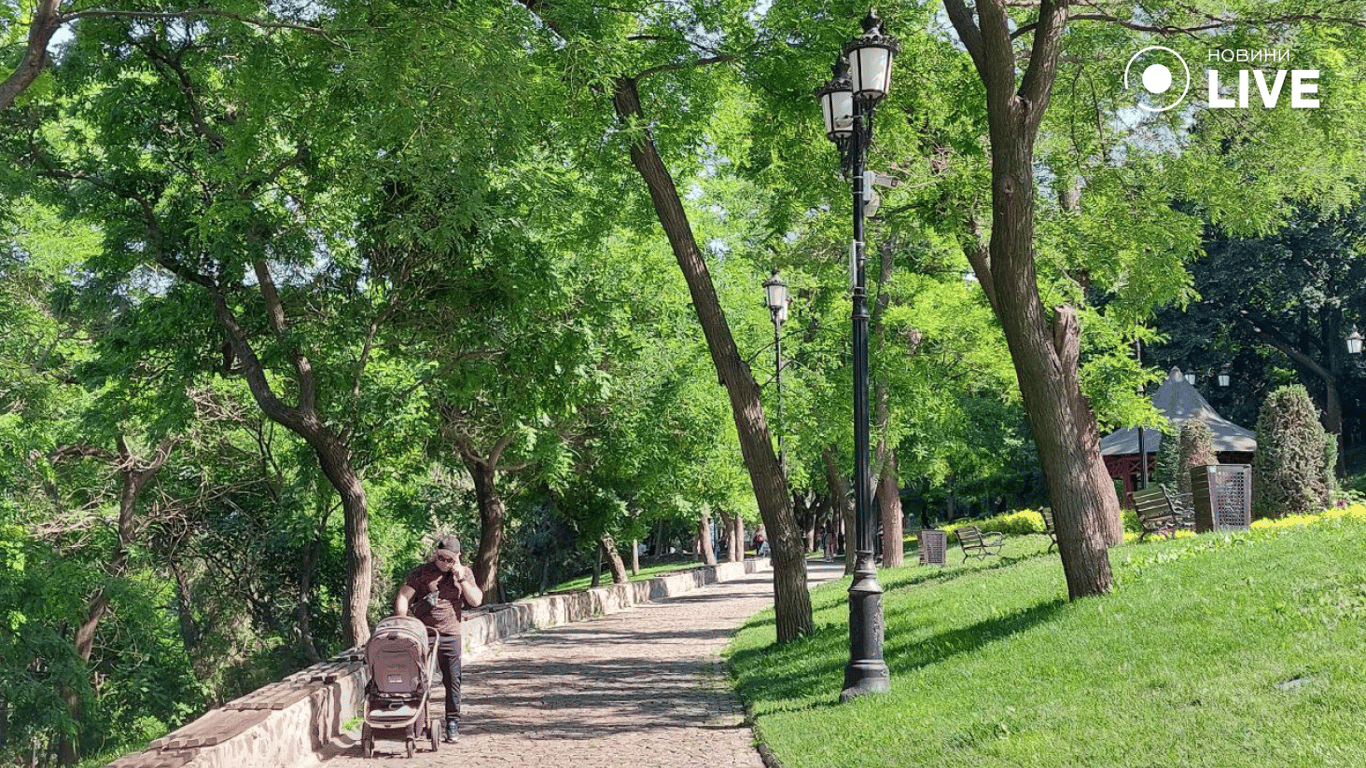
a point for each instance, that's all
(367, 741)
(432, 726)
(412, 747)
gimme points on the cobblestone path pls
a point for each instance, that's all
(644, 688)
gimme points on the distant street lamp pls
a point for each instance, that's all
(861, 77)
(1223, 376)
(775, 288)
(1190, 379)
(1354, 341)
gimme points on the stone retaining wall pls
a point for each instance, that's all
(285, 723)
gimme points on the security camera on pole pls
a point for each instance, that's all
(862, 75)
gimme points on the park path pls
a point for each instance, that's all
(644, 688)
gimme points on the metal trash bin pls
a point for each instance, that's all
(934, 545)
(1223, 497)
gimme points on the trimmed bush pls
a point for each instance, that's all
(1197, 450)
(1290, 473)
(1025, 521)
(1168, 454)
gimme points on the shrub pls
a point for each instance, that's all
(1019, 523)
(1289, 472)
(1168, 454)
(1197, 450)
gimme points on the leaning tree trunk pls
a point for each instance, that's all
(609, 548)
(1046, 354)
(492, 513)
(335, 459)
(791, 600)
(304, 420)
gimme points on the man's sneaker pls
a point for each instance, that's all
(452, 733)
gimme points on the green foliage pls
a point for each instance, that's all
(1197, 450)
(1289, 475)
(1168, 464)
(1018, 523)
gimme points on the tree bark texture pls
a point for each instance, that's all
(792, 601)
(889, 495)
(334, 456)
(492, 514)
(841, 511)
(1046, 354)
(609, 548)
(704, 539)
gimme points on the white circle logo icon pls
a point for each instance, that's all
(1157, 75)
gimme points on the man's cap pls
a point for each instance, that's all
(449, 542)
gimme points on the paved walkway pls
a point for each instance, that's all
(643, 688)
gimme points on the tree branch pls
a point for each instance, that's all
(45, 22)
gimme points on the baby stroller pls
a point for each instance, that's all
(401, 661)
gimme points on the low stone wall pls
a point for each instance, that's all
(287, 722)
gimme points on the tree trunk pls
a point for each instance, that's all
(335, 461)
(841, 511)
(889, 494)
(609, 548)
(738, 539)
(334, 456)
(635, 557)
(791, 600)
(492, 513)
(704, 539)
(1046, 354)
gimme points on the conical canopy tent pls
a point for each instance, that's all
(1179, 401)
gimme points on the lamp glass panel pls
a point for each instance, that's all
(1354, 344)
(871, 71)
(838, 107)
(777, 293)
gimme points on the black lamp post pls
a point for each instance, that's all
(862, 75)
(775, 289)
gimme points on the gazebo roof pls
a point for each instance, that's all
(1179, 401)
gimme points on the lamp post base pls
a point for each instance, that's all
(867, 671)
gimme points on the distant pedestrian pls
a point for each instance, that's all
(828, 543)
(760, 543)
(443, 588)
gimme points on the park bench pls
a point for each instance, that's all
(1156, 512)
(1049, 529)
(1184, 504)
(979, 544)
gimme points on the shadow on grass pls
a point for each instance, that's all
(813, 666)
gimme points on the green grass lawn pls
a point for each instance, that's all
(1243, 650)
(581, 583)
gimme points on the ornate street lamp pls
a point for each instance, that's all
(1190, 379)
(775, 289)
(1354, 341)
(1224, 376)
(862, 77)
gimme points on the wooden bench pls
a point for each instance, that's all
(1049, 529)
(1184, 504)
(1156, 513)
(979, 544)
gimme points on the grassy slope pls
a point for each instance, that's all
(1213, 651)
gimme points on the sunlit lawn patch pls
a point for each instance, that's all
(1241, 650)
